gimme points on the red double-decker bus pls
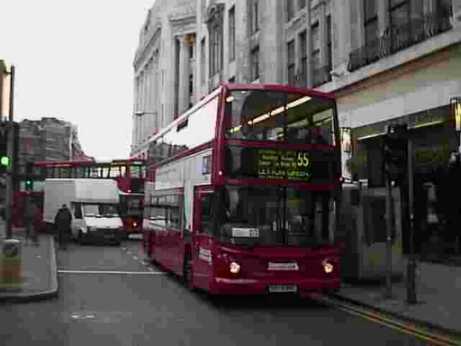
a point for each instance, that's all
(243, 192)
(129, 174)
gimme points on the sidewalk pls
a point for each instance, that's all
(39, 271)
(438, 292)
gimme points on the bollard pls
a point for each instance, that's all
(10, 264)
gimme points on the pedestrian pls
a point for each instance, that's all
(62, 221)
(29, 218)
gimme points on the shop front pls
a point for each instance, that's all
(437, 182)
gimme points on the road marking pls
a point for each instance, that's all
(65, 271)
(82, 317)
(402, 326)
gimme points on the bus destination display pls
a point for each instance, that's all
(284, 164)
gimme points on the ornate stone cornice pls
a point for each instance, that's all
(215, 14)
(143, 51)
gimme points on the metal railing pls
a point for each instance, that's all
(397, 38)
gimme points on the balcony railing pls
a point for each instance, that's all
(398, 38)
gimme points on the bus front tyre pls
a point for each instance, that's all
(187, 273)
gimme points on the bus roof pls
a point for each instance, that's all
(279, 87)
(87, 163)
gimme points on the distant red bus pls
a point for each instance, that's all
(242, 192)
(129, 174)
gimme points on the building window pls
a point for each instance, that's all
(370, 21)
(289, 9)
(202, 60)
(254, 57)
(399, 18)
(315, 57)
(191, 84)
(303, 57)
(232, 34)
(291, 62)
(301, 4)
(254, 16)
(215, 50)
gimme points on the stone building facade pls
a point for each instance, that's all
(163, 68)
(386, 61)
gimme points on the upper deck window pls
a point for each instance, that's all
(199, 128)
(279, 116)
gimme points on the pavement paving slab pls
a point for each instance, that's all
(438, 292)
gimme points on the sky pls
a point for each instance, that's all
(73, 61)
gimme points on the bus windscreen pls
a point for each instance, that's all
(273, 216)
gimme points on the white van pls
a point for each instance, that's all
(94, 206)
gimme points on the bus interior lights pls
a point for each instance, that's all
(279, 110)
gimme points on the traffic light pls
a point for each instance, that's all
(29, 183)
(395, 152)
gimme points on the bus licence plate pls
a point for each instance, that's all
(283, 288)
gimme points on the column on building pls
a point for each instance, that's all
(184, 64)
(149, 110)
(310, 63)
(323, 35)
(341, 18)
(156, 104)
(456, 8)
(383, 17)
(323, 32)
(145, 104)
(141, 106)
(138, 106)
(357, 20)
(135, 109)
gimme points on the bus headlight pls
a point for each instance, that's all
(327, 266)
(234, 267)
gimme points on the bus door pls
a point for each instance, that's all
(202, 240)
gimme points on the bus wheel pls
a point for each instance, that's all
(187, 272)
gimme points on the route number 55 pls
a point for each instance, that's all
(303, 160)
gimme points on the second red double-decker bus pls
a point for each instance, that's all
(243, 190)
